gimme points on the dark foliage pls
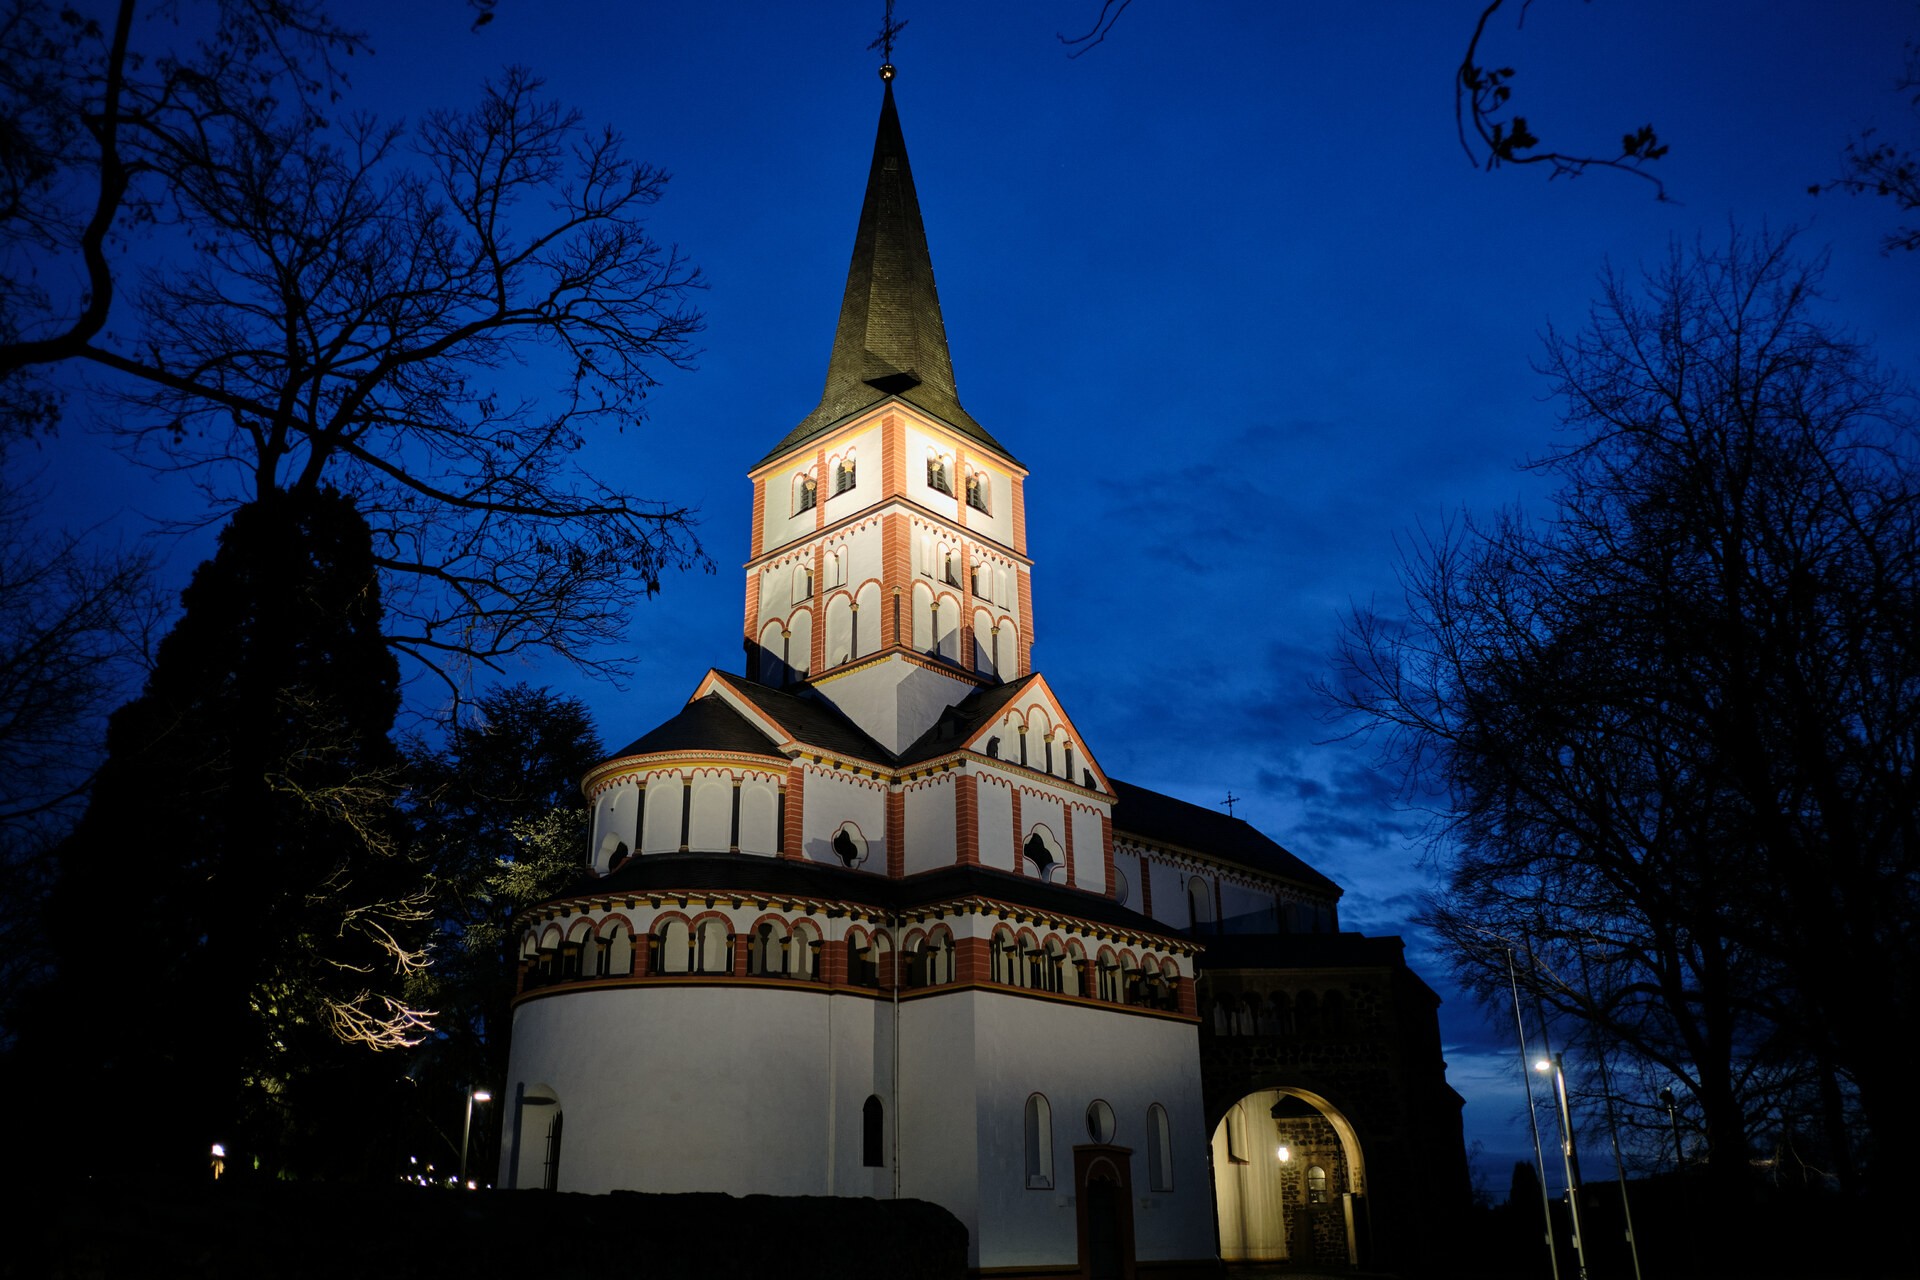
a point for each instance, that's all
(237, 890)
(1672, 729)
(500, 823)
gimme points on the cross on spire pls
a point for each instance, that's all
(1230, 801)
(884, 41)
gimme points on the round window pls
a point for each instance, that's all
(1120, 889)
(1100, 1121)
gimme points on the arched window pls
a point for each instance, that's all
(938, 477)
(939, 951)
(1316, 1184)
(767, 951)
(843, 475)
(1053, 960)
(803, 951)
(950, 566)
(1159, 1149)
(803, 580)
(616, 952)
(1109, 967)
(873, 1127)
(1003, 957)
(715, 947)
(1074, 981)
(1199, 903)
(806, 494)
(836, 568)
(979, 491)
(1039, 1125)
(672, 948)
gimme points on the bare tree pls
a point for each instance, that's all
(1672, 727)
(1878, 165)
(432, 322)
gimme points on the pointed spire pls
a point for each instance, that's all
(891, 339)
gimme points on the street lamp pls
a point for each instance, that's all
(473, 1096)
(1672, 1105)
(1551, 1064)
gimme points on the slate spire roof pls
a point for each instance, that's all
(891, 340)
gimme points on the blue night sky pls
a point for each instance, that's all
(1227, 285)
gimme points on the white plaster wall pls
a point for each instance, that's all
(782, 524)
(710, 826)
(759, 809)
(996, 824)
(894, 701)
(646, 1109)
(1089, 857)
(1169, 894)
(800, 643)
(867, 480)
(997, 523)
(613, 821)
(932, 817)
(1127, 863)
(832, 799)
(662, 834)
(864, 547)
(937, 1102)
(917, 444)
(1074, 1055)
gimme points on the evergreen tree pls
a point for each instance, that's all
(502, 823)
(238, 908)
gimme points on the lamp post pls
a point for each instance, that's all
(1551, 1064)
(466, 1129)
(1672, 1105)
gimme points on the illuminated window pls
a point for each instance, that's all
(843, 478)
(806, 495)
(978, 491)
(1316, 1185)
(937, 475)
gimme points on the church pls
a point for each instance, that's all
(870, 919)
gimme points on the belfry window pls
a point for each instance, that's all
(937, 476)
(978, 492)
(807, 496)
(843, 475)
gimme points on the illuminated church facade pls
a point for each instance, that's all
(871, 919)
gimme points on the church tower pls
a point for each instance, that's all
(888, 569)
(872, 920)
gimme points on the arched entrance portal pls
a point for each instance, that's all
(1288, 1174)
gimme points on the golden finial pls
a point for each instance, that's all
(884, 42)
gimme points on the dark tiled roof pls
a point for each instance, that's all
(755, 873)
(891, 340)
(813, 721)
(1163, 820)
(705, 724)
(961, 720)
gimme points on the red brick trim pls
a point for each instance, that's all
(796, 798)
(896, 832)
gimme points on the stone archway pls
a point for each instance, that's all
(1287, 1171)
